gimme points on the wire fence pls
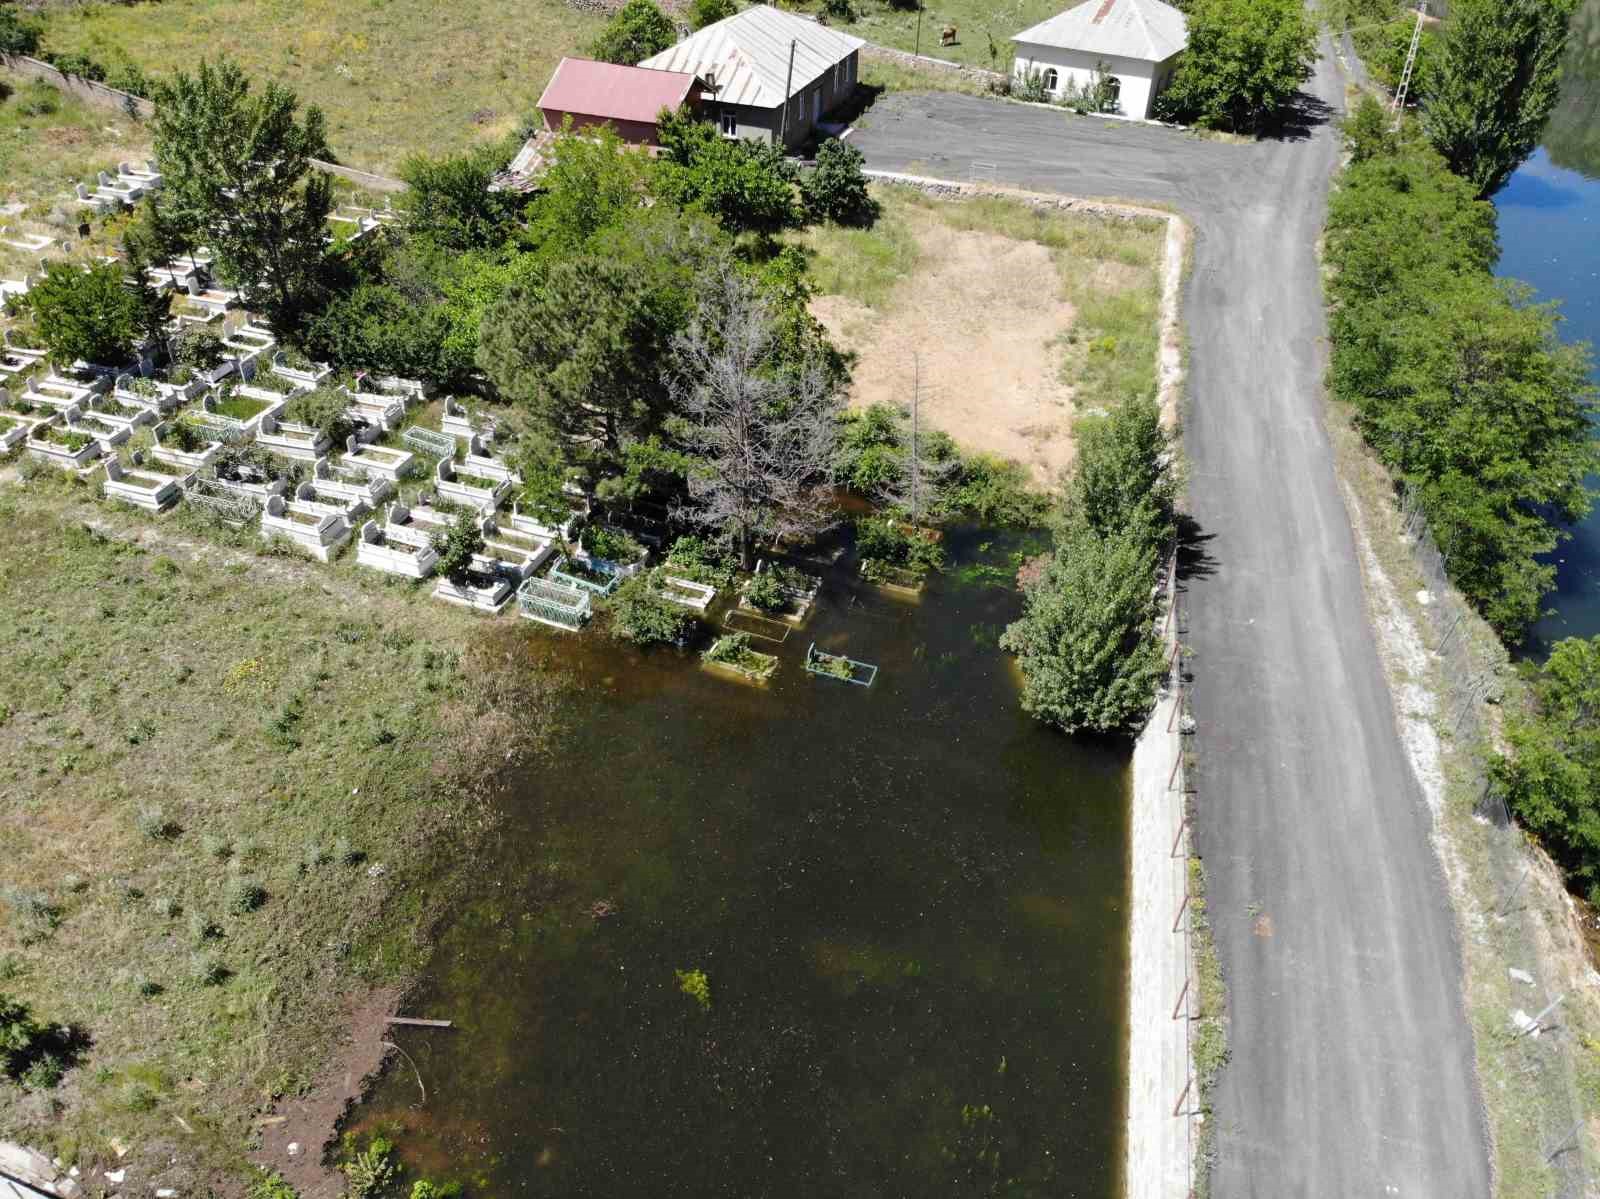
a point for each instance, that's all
(1538, 1051)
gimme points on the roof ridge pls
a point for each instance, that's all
(1144, 23)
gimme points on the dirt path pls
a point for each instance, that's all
(980, 320)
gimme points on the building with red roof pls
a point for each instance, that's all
(628, 99)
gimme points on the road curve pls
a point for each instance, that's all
(1352, 1067)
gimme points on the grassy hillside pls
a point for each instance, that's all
(393, 76)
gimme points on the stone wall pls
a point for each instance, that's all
(922, 62)
(86, 90)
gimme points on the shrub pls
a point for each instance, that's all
(373, 1170)
(206, 970)
(166, 907)
(154, 823)
(610, 544)
(326, 409)
(696, 986)
(639, 614)
(764, 592)
(456, 546)
(1245, 61)
(199, 348)
(146, 987)
(220, 848)
(18, 34)
(884, 540)
(35, 915)
(835, 189)
(709, 12)
(995, 491)
(269, 1184)
(700, 561)
(39, 100)
(203, 929)
(33, 1054)
(245, 895)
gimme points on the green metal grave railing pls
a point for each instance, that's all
(429, 441)
(553, 604)
(862, 674)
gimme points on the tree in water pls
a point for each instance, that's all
(237, 175)
(763, 431)
(1494, 85)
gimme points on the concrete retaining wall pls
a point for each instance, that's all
(87, 90)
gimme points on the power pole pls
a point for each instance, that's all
(1399, 105)
(917, 53)
(783, 121)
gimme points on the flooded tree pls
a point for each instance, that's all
(762, 427)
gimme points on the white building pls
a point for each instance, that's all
(1135, 42)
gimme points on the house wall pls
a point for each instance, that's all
(637, 132)
(833, 87)
(1141, 81)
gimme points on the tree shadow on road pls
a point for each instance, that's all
(1194, 559)
(1305, 115)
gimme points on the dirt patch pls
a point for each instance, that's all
(64, 136)
(981, 316)
(310, 1122)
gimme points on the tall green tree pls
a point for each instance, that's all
(237, 174)
(1123, 479)
(92, 313)
(1245, 61)
(1086, 640)
(639, 30)
(1494, 83)
(590, 183)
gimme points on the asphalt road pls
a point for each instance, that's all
(1352, 1067)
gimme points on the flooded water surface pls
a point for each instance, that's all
(907, 902)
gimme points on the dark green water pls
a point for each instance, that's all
(908, 899)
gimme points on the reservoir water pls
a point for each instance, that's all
(1550, 237)
(908, 901)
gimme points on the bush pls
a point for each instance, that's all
(835, 189)
(884, 540)
(1551, 776)
(699, 561)
(206, 970)
(696, 986)
(639, 30)
(32, 1054)
(456, 547)
(373, 1170)
(1245, 61)
(994, 491)
(80, 65)
(153, 821)
(326, 409)
(18, 34)
(640, 614)
(709, 12)
(245, 895)
(764, 592)
(199, 348)
(39, 100)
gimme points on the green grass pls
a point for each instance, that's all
(976, 22)
(48, 142)
(238, 407)
(393, 76)
(865, 265)
(270, 705)
(887, 75)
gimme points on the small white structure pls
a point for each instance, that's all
(396, 551)
(393, 465)
(463, 485)
(310, 526)
(1135, 43)
(290, 440)
(484, 593)
(350, 486)
(141, 488)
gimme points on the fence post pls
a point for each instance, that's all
(1182, 995)
(1177, 1108)
(1182, 908)
(1178, 840)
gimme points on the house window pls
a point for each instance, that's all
(816, 106)
(730, 125)
(1113, 94)
(1051, 79)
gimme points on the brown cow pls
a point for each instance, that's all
(948, 37)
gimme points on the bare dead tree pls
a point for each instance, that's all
(763, 429)
(919, 479)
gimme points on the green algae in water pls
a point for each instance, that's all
(908, 902)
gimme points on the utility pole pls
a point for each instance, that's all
(918, 52)
(1399, 106)
(783, 121)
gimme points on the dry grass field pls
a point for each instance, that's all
(393, 76)
(1017, 320)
